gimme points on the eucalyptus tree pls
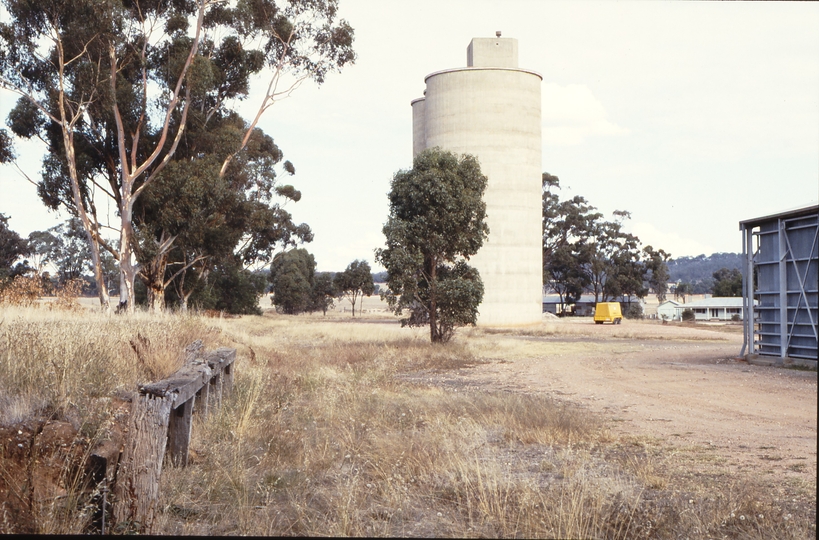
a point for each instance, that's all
(12, 247)
(123, 82)
(324, 292)
(50, 57)
(355, 282)
(192, 218)
(437, 221)
(582, 252)
(291, 277)
(657, 276)
(64, 246)
(568, 230)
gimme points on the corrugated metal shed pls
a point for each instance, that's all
(781, 252)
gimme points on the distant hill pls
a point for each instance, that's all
(699, 270)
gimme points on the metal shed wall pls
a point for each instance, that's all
(782, 254)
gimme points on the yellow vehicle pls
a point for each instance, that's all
(607, 312)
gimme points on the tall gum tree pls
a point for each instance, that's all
(149, 60)
(47, 54)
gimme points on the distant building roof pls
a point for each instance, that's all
(673, 302)
(555, 299)
(584, 299)
(719, 301)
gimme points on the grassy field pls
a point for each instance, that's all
(325, 435)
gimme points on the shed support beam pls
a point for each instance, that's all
(747, 291)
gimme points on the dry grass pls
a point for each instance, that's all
(323, 436)
(65, 364)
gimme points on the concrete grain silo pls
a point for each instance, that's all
(491, 109)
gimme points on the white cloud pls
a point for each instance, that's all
(571, 113)
(661, 238)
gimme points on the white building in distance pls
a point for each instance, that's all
(491, 109)
(714, 308)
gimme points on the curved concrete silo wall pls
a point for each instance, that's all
(418, 131)
(494, 114)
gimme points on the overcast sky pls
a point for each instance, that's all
(690, 115)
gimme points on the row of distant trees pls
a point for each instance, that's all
(296, 287)
(294, 284)
(723, 282)
(62, 249)
(701, 274)
(583, 253)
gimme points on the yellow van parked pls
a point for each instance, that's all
(607, 312)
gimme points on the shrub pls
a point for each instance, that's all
(68, 293)
(21, 291)
(688, 315)
(633, 311)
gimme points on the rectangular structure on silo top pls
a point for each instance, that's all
(781, 271)
(492, 52)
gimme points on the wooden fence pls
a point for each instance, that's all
(161, 418)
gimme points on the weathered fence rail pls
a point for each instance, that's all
(161, 419)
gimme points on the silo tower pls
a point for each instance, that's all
(491, 109)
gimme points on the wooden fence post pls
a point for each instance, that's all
(203, 398)
(179, 432)
(137, 487)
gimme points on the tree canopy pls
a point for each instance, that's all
(291, 276)
(436, 223)
(126, 94)
(727, 282)
(355, 282)
(584, 253)
(12, 247)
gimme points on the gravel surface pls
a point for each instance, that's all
(682, 385)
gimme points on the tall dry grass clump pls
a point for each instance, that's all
(68, 363)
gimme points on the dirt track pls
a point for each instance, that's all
(689, 391)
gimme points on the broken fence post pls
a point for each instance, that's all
(162, 416)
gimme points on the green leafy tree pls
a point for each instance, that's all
(656, 262)
(567, 248)
(682, 290)
(565, 269)
(615, 268)
(355, 282)
(43, 246)
(12, 247)
(436, 223)
(727, 282)
(291, 278)
(124, 83)
(231, 288)
(633, 311)
(193, 219)
(582, 252)
(70, 253)
(324, 292)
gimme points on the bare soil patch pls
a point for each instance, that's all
(682, 386)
